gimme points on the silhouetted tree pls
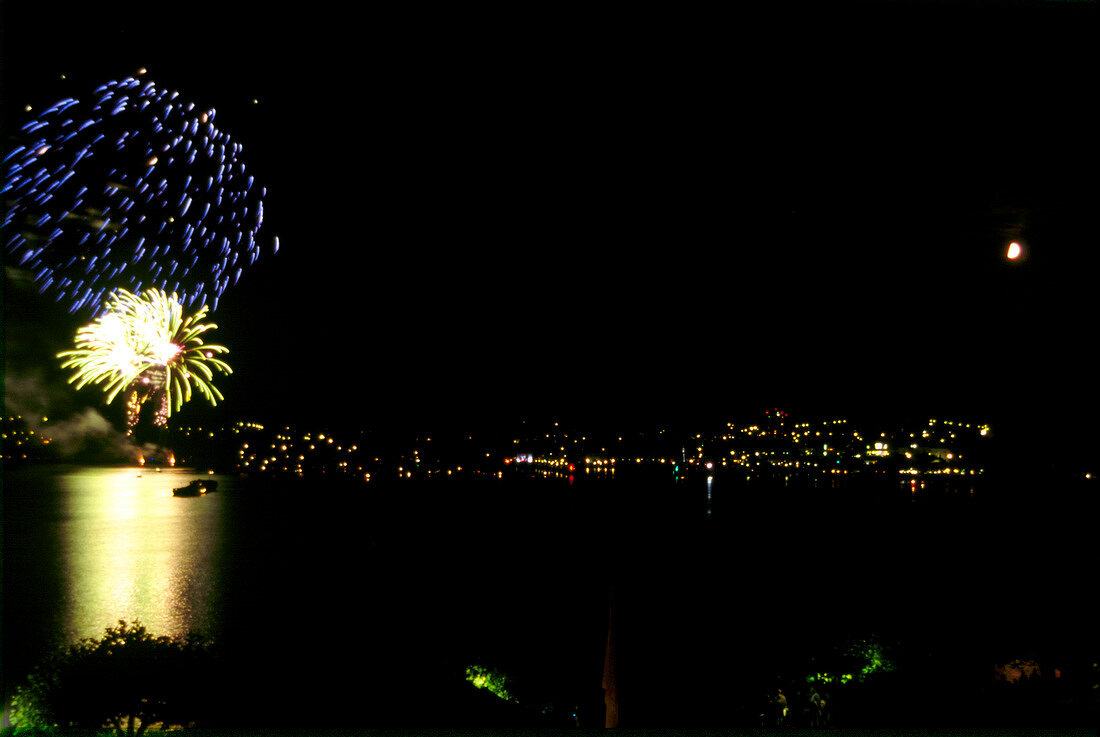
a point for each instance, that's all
(127, 680)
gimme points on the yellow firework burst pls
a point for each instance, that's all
(144, 343)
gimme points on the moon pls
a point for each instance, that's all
(1014, 250)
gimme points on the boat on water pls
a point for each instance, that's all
(198, 487)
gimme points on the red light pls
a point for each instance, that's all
(572, 468)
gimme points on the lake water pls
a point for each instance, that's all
(301, 582)
(100, 544)
(332, 600)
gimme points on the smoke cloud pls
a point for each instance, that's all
(77, 434)
(89, 434)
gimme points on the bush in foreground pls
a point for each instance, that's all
(126, 681)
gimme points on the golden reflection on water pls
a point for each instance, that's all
(131, 550)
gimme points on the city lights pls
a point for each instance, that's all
(937, 447)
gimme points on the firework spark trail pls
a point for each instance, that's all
(132, 188)
(145, 345)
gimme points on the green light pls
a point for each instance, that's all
(876, 661)
(828, 678)
(490, 679)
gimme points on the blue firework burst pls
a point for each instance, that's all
(133, 187)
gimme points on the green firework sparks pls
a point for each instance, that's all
(144, 343)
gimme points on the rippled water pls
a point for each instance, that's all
(126, 548)
(300, 582)
(131, 549)
(401, 586)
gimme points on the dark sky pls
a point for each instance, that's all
(623, 215)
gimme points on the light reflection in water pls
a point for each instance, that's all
(131, 550)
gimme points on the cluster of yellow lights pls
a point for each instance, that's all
(404, 473)
(30, 437)
(293, 456)
(553, 463)
(940, 472)
(550, 462)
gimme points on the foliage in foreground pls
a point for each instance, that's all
(126, 681)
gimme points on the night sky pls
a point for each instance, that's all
(620, 215)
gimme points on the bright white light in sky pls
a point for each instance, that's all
(1014, 250)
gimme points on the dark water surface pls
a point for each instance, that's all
(347, 605)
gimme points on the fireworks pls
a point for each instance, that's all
(145, 345)
(133, 188)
